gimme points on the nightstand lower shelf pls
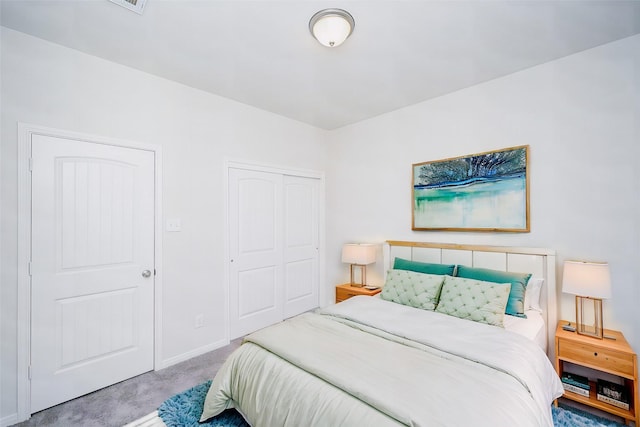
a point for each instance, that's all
(592, 400)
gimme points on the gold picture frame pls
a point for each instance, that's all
(487, 191)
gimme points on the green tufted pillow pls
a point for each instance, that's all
(417, 290)
(423, 267)
(475, 300)
(515, 305)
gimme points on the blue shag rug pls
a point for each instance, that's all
(184, 410)
(566, 416)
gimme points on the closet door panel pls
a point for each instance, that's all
(301, 241)
(255, 248)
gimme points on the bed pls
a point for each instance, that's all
(374, 361)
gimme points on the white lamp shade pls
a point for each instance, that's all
(587, 279)
(359, 253)
(331, 27)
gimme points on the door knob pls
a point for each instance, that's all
(146, 273)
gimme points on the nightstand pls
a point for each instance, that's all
(613, 357)
(347, 291)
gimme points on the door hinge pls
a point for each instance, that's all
(30, 164)
(29, 371)
(29, 268)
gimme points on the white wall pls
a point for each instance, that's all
(581, 117)
(48, 85)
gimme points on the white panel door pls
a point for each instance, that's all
(301, 240)
(92, 267)
(255, 249)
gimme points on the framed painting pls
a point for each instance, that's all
(479, 192)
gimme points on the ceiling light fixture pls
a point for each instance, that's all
(331, 27)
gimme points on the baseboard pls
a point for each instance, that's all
(151, 420)
(9, 420)
(191, 354)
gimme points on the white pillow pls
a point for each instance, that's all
(532, 294)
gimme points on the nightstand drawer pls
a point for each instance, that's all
(591, 355)
(347, 291)
(343, 294)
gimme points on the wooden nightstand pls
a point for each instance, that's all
(611, 356)
(347, 291)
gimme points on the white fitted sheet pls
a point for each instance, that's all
(532, 327)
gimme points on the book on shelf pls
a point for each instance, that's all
(614, 402)
(575, 380)
(613, 394)
(574, 389)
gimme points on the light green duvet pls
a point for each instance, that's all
(369, 362)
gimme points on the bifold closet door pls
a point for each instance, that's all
(301, 241)
(255, 249)
(273, 248)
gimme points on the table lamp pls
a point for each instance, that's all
(359, 255)
(588, 281)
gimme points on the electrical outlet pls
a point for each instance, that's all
(199, 321)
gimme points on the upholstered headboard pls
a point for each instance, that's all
(539, 262)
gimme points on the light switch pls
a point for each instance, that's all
(174, 225)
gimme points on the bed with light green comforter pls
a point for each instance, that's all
(370, 362)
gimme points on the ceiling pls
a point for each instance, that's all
(261, 53)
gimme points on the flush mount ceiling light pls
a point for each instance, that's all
(331, 27)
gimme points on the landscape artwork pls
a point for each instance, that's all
(480, 192)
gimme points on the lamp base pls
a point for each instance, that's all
(363, 275)
(595, 330)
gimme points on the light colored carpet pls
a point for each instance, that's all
(150, 420)
(132, 399)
